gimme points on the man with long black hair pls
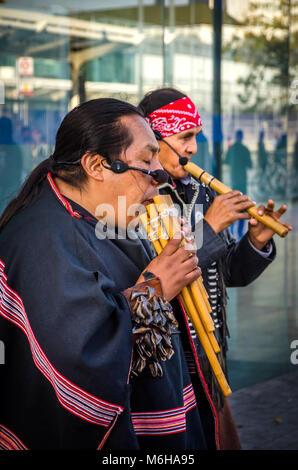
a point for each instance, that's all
(224, 263)
(95, 350)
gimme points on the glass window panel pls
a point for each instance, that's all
(255, 99)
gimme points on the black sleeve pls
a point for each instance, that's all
(242, 264)
(210, 245)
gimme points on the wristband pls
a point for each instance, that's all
(147, 275)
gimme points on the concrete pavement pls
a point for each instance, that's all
(266, 414)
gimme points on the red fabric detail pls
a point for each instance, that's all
(73, 398)
(63, 201)
(177, 116)
(171, 421)
(9, 441)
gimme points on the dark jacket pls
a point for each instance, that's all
(67, 328)
(230, 263)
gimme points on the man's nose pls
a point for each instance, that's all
(156, 165)
(192, 146)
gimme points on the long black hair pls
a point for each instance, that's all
(93, 127)
(158, 98)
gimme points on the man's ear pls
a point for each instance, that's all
(92, 166)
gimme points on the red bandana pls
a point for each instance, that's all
(175, 117)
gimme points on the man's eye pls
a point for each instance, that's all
(147, 162)
(186, 137)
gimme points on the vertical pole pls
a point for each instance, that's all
(78, 77)
(288, 299)
(163, 6)
(287, 94)
(192, 8)
(140, 47)
(216, 96)
(171, 46)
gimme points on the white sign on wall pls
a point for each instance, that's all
(25, 66)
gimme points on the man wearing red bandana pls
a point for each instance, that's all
(224, 263)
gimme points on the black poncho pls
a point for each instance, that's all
(67, 329)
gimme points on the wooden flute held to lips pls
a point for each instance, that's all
(221, 188)
(161, 226)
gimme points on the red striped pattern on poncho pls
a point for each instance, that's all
(9, 441)
(72, 398)
(167, 421)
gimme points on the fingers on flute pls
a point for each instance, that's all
(279, 213)
(242, 198)
(231, 194)
(243, 206)
(241, 215)
(173, 245)
(190, 248)
(240, 202)
(237, 198)
(261, 210)
(186, 251)
(182, 255)
(269, 209)
(190, 255)
(193, 275)
(281, 210)
(193, 262)
(253, 222)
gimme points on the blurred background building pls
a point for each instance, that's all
(238, 62)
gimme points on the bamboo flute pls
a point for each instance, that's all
(192, 291)
(154, 211)
(221, 188)
(187, 299)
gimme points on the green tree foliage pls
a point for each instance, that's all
(270, 47)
